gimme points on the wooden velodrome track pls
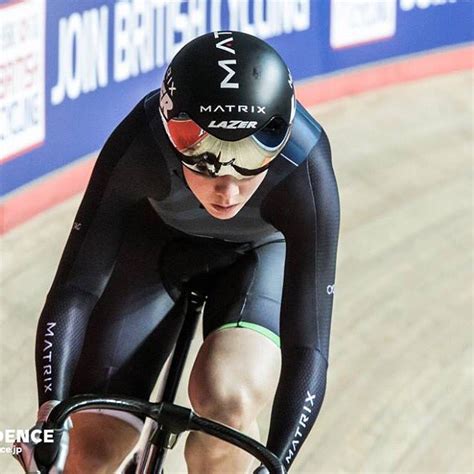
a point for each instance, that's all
(399, 395)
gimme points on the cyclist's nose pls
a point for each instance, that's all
(226, 187)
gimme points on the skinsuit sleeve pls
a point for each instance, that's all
(305, 208)
(87, 261)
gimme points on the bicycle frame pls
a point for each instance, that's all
(161, 439)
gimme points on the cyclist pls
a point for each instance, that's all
(220, 175)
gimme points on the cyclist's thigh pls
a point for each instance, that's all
(133, 326)
(247, 294)
(238, 365)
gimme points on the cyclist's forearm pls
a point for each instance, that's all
(297, 401)
(59, 339)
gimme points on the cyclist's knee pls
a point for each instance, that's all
(99, 443)
(231, 407)
(225, 386)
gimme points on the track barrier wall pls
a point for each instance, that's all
(70, 71)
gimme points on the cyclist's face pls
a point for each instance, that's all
(223, 196)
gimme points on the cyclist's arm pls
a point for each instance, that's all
(86, 263)
(305, 208)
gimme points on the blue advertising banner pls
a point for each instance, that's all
(70, 71)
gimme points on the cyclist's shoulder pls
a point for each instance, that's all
(305, 120)
(305, 134)
(131, 154)
(308, 143)
(135, 125)
(132, 133)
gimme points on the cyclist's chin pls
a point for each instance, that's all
(223, 212)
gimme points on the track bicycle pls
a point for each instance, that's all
(170, 420)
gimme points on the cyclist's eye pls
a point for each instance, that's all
(201, 167)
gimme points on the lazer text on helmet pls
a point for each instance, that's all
(232, 124)
(226, 45)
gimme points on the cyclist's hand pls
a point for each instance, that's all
(25, 450)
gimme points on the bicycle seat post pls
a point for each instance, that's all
(194, 305)
(162, 439)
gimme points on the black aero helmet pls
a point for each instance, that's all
(227, 102)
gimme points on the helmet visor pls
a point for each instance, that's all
(204, 153)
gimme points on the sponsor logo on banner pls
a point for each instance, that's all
(411, 4)
(146, 34)
(82, 54)
(361, 21)
(22, 73)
